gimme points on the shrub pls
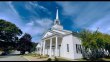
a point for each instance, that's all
(49, 59)
(38, 54)
(56, 59)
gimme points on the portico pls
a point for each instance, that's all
(51, 46)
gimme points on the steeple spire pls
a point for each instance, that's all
(57, 14)
(57, 18)
(57, 25)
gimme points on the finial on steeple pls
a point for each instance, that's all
(57, 14)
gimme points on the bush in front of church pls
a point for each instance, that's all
(49, 59)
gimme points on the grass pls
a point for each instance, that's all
(81, 59)
(62, 59)
(29, 54)
(58, 59)
(40, 56)
(35, 55)
(106, 59)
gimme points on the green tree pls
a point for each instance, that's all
(93, 43)
(107, 43)
(33, 48)
(9, 33)
(25, 43)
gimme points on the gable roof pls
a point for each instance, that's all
(75, 34)
(56, 32)
(39, 45)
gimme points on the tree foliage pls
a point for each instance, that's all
(25, 43)
(34, 46)
(9, 33)
(95, 44)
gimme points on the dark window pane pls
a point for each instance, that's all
(76, 48)
(67, 47)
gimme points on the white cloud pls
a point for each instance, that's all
(31, 23)
(12, 8)
(31, 6)
(9, 13)
(44, 22)
(37, 5)
(88, 15)
(103, 25)
(36, 27)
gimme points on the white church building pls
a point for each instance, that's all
(58, 42)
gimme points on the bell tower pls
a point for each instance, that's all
(57, 19)
(57, 25)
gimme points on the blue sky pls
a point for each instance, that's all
(36, 17)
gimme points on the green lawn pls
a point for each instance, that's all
(35, 55)
(63, 59)
(80, 59)
(106, 59)
(59, 59)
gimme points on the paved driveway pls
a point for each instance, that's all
(12, 57)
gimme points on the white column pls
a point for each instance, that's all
(41, 48)
(44, 48)
(47, 50)
(50, 48)
(36, 50)
(56, 47)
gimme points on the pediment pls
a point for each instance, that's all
(47, 34)
(55, 32)
(64, 32)
(50, 33)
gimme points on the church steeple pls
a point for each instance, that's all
(57, 18)
(57, 25)
(57, 15)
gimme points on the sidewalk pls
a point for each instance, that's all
(30, 58)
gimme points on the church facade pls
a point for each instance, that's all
(58, 42)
